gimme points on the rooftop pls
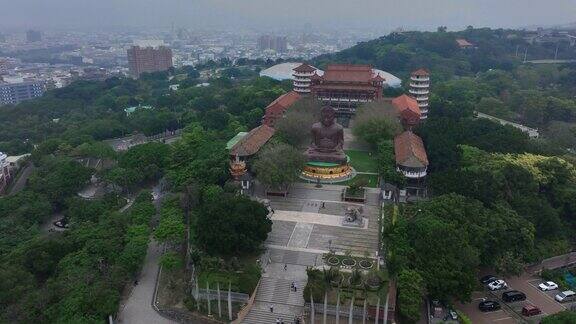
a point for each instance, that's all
(348, 73)
(235, 140)
(409, 150)
(405, 102)
(253, 141)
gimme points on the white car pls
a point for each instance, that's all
(548, 285)
(497, 285)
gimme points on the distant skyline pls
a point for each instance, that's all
(292, 14)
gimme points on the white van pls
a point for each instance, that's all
(566, 296)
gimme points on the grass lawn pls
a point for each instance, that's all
(362, 161)
(371, 179)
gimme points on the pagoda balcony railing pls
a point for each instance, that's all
(302, 78)
(303, 74)
(412, 174)
(422, 98)
(423, 116)
(302, 89)
(422, 104)
(419, 85)
(423, 79)
(301, 84)
(343, 99)
(419, 92)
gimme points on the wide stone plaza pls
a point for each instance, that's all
(306, 225)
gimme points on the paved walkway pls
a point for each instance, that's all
(22, 179)
(138, 308)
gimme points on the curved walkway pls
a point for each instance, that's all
(138, 308)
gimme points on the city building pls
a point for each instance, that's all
(408, 110)
(278, 107)
(149, 59)
(4, 173)
(411, 161)
(420, 90)
(33, 36)
(14, 90)
(344, 87)
(276, 43)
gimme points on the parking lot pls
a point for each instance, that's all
(512, 312)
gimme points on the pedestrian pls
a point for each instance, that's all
(277, 320)
(323, 205)
(271, 308)
(292, 286)
(281, 321)
(285, 267)
(272, 210)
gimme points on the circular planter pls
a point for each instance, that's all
(349, 262)
(333, 261)
(373, 283)
(366, 264)
(336, 282)
(355, 285)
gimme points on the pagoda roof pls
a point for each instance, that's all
(421, 71)
(409, 150)
(305, 68)
(253, 141)
(405, 103)
(348, 73)
(377, 77)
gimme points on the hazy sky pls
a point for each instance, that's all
(375, 14)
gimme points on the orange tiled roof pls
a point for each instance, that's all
(304, 68)
(463, 43)
(253, 141)
(277, 107)
(421, 71)
(409, 150)
(405, 102)
(348, 73)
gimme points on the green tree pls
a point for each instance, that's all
(410, 294)
(376, 122)
(278, 165)
(565, 317)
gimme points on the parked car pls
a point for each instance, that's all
(497, 285)
(487, 279)
(513, 296)
(548, 285)
(530, 310)
(489, 306)
(566, 296)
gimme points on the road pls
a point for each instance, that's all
(21, 181)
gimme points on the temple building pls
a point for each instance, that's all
(420, 90)
(344, 87)
(411, 161)
(407, 108)
(278, 107)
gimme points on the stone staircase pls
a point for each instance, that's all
(260, 316)
(277, 291)
(294, 257)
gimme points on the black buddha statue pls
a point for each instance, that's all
(327, 139)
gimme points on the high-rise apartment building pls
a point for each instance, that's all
(33, 36)
(16, 90)
(276, 43)
(149, 59)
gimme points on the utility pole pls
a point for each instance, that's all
(525, 54)
(517, 47)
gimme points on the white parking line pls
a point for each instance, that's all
(547, 296)
(502, 319)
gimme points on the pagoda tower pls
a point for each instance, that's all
(420, 90)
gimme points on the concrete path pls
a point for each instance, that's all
(22, 178)
(138, 308)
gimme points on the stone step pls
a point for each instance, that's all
(274, 290)
(293, 257)
(257, 316)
